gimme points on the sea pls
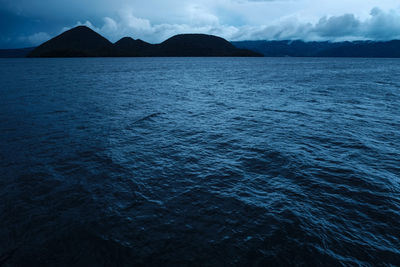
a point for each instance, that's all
(200, 162)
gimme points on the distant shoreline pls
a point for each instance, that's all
(82, 41)
(288, 48)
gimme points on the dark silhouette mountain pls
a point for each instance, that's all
(286, 48)
(390, 49)
(77, 42)
(84, 42)
(128, 47)
(194, 45)
(10, 53)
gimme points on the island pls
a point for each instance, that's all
(82, 41)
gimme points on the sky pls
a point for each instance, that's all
(27, 23)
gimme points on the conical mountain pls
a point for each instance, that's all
(77, 42)
(84, 42)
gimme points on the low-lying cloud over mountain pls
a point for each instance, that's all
(380, 25)
(27, 22)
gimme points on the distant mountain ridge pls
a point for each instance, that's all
(297, 48)
(81, 41)
(15, 53)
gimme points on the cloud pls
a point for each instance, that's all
(249, 12)
(380, 25)
(156, 20)
(35, 39)
(340, 26)
(127, 24)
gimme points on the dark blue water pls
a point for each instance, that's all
(199, 161)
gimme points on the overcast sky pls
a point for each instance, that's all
(25, 23)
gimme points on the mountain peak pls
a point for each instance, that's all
(82, 27)
(129, 47)
(125, 39)
(194, 44)
(82, 41)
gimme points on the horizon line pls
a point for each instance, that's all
(247, 40)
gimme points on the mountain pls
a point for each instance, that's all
(195, 45)
(77, 42)
(286, 48)
(128, 47)
(390, 49)
(84, 42)
(15, 53)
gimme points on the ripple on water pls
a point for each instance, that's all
(201, 161)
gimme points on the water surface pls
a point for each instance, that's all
(199, 161)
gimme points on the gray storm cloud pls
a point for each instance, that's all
(156, 20)
(379, 25)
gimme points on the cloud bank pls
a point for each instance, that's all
(28, 22)
(379, 25)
